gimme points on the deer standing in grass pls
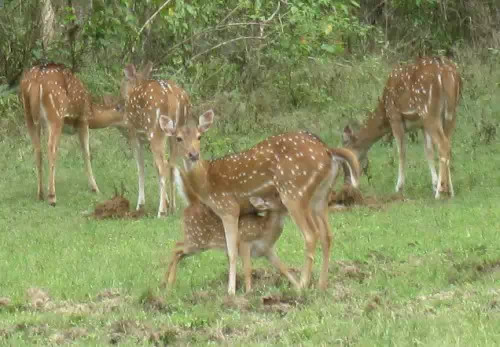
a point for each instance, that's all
(298, 166)
(53, 95)
(204, 230)
(145, 101)
(422, 95)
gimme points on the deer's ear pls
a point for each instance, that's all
(205, 121)
(130, 72)
(259, 203)
(167, 125)
(146, 70)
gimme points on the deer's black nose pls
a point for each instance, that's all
(194, 156)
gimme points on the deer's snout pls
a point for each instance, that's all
(194, 156)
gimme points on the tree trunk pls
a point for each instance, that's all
(48, 19)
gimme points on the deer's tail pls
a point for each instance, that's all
(351, 160)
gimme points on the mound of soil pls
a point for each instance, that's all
(116, 207)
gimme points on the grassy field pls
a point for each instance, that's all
(413, 272)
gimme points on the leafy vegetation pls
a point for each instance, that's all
(419, 272)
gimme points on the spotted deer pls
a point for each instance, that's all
(298, 166)
(52, 95)
(145, 101)
(424, 95)
(204, 230)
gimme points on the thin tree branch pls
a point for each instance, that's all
(227, 42)
(153, 16)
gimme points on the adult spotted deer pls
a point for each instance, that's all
(145, 101)
(298, 166)
(423, 95)
(203, 230)
(53, 95)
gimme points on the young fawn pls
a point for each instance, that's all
(145, 101)
(204, 230)
(423, 95)
(298, 166)
(53, 96)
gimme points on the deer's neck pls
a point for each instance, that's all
(373, 128)
(103, 117)
(195, 180)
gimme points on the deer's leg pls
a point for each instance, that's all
(34, 132)
(244, 250)
(449, 127)
(302, 218)
(54, 134)
(443, 145)
(399, 136)
(83, 135)
(429, 154)
(277, 263)
(158, 149)
(171, 274)
(170, 172)
(139, 158)
(230, 222)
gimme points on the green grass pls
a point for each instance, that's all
(418, 272)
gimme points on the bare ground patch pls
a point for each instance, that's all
(348, 197)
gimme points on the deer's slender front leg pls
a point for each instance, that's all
(429, 154)
(83, 134)
(230, 222)
(139, 158)
(158, 149)
(399, 136)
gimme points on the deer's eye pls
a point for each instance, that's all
(199, 137)
(179, 139)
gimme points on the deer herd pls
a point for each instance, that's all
(238, 203)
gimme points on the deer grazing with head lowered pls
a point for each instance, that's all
(204, 230)
(298, 166)
(145, 101)
(424, 95)
(52, 95)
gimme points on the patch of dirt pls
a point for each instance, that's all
(116, 207)
(38, 298)
(152, 302)
(471, 271)
(33, 329)
(352, 271)
(281, 304)
(4, 302)
(349, 197)
(271, 277)
(105, 302)
(237, 302)
(128, 327)
(374, 303)
(66, 336)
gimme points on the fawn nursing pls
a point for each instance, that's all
(298, 166)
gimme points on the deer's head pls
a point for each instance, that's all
(133, 78)
(187, 137)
